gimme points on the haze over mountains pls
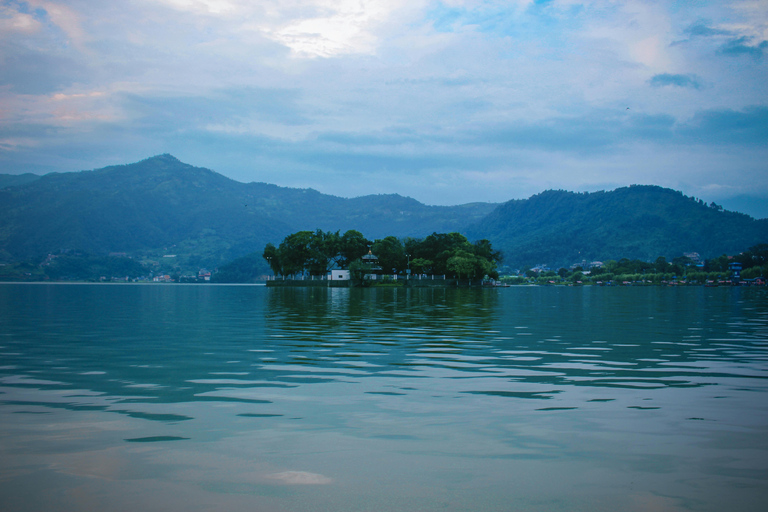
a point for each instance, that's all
(161, 206)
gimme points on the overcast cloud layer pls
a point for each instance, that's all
(445, 101)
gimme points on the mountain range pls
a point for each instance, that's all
(163, 207)
(636, 222)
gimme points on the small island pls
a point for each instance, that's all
(332, 259)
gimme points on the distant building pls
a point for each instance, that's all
(372, 265)
(735, 267)
(339, 275)
(694, 257)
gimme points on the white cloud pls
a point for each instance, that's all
(753, 18)
(13, 23)
(507, 95)
(66, 18)
(203, 6)
(338, 27)
(310, 28)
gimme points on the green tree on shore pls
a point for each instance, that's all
(439, 253)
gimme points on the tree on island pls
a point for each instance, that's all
(462, 263)
(316, 253)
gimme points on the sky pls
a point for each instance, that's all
(447, 102)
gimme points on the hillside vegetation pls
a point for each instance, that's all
(638, 222)
(175, 218)
(162, 206)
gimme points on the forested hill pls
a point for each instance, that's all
(163, 205)
(637, 222)
(12, 180)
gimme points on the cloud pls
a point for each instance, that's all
(608, 133)
(63, 17)
(13, 23)
(702, 29)
(203, 6)
(744, 38)
(742, 46)
(26, 71)
(232, 109)
(432, 98)
(309, 28)
(748, 127)
(664, 79)
(335, 28)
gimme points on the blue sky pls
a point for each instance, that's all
(444, 101)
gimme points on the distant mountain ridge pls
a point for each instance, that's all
(635, 222)
(161, 203)
(12, 180)
(161, 206)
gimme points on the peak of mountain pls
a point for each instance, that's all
(145, 173)
(161, 202)
(165, 157)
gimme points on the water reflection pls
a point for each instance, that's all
(375, 330)
(638, 338)
(449, 390)
(176, 345)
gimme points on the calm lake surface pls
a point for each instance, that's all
(229, 398)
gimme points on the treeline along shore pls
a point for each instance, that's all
(745, 269)
(320, 258)
(327, 258)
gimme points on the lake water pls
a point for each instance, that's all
(230, 398)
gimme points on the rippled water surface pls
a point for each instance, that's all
(121, 397)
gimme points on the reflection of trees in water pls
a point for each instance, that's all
(634, 338)
(644, 337)
(380, 310)
(174, 344)
(376, 327)
(549, 337)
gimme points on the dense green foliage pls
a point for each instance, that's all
(754, 262)
(637, 222)
(316, 253)
(160, 206)
(151, 208)
(680, 270)
(76, 266)
(452, 254)
(246, 269)
(86, 267)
